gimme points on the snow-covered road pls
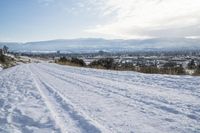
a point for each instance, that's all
(44, 98)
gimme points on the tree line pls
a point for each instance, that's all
(109, 64)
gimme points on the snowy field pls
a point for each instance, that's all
(49, 98)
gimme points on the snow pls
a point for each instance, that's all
(47, 98)
(1, 67)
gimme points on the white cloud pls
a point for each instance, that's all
(192, 37)
(148, 18)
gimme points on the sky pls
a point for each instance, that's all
(34, 20)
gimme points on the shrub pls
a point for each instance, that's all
(72, 61)
(2, 58)
(197, 71)
(191, 64)
(170, 64)
(149, 70)
(173, 70)
(63, 59)
(125, 66)
(78, 61)
(107, 63)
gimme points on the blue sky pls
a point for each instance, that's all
(32, 20)
(27, 20)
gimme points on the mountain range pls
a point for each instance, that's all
(97, 44)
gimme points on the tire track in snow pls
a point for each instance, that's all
(19, 100)
(119, 99)
(112, 81)
(49, 105)
(152, 80)
(158, 103)
(80, 82)
(80, 120)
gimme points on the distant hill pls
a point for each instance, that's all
(94, 45)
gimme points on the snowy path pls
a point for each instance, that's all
(54, 98)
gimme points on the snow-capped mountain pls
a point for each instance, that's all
(93, 45)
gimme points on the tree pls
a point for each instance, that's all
(107, 63)
(72, 61)
(197, 71)
(63, 59)
(191, 64)
(77, 61)
(2, 58)
(170, 64)
(5, 49)
(179, 70)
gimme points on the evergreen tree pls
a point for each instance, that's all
(191, 64)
